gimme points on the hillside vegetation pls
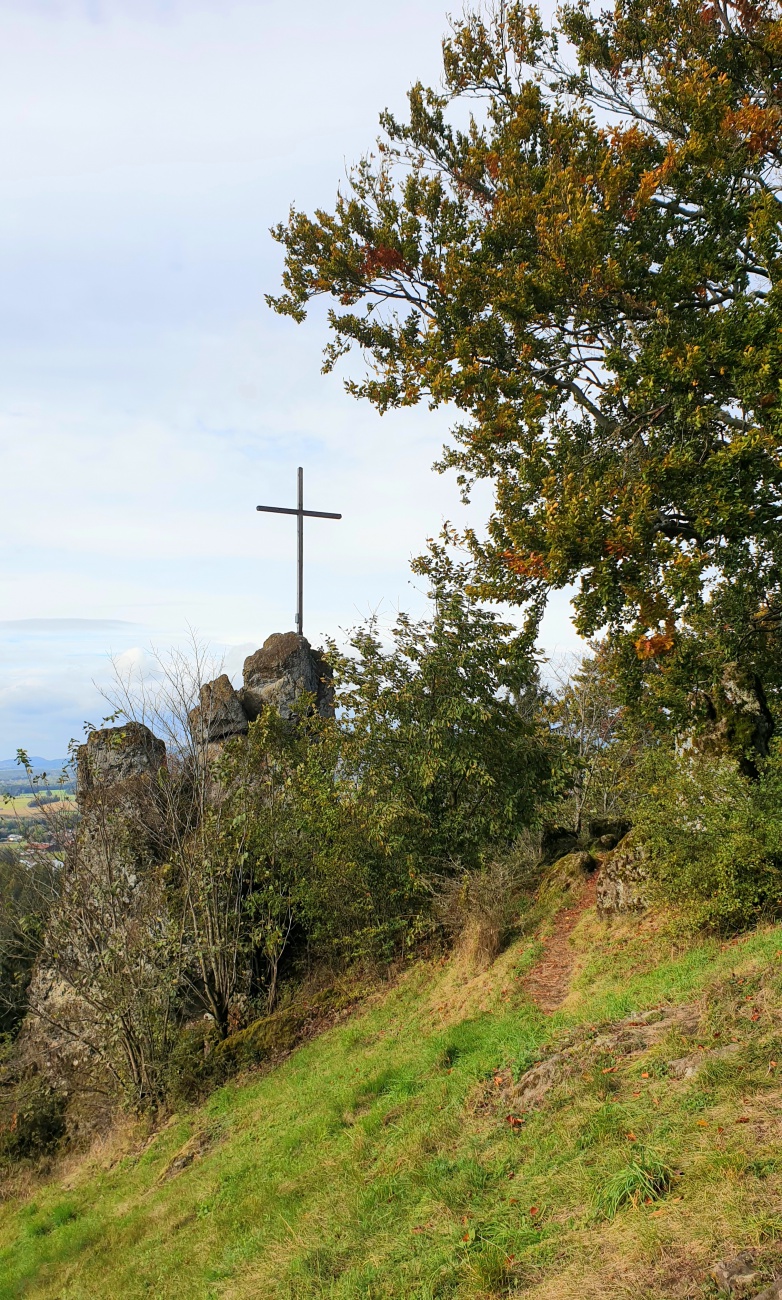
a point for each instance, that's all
(198, 1094)
(390, 1156)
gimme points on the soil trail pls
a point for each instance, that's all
(549, 980)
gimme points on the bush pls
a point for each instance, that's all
(480, 909)
(33, 1122)
(714, 839)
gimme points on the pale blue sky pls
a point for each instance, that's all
(148, 398)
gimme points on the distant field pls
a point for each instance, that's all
(24, 805)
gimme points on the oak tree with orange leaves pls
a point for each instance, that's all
(576, 243)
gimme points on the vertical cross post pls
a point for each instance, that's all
(300, 514)
(300, 557)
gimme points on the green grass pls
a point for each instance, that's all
(378, 1161)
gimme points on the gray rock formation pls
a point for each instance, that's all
(114, 756)
(109, 890)
(219, 715)
(285, 668)
(623, 881)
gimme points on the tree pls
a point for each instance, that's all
(602, 747)
(589, 272)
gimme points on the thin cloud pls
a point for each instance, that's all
(65, 624)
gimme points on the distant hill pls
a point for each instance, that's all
(38, 764)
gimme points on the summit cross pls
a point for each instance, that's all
(300, 514)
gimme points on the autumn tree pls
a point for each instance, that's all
(575, 243)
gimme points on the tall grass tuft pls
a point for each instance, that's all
(643, 1179)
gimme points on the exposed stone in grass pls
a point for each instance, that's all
(687, 1067)
(627, 1038)
(735, 1276)
(773, 1292)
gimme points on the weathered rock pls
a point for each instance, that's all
(556, 842)
(687, 1067)
(285, 668)
(773, 1292)
(606, 832)
(735, 1276)
(571, 870)
(623, 881)
(219, 715)
(116, 755)
(113, 893)
(626, 1038)
(533, 1086)
(737, 719)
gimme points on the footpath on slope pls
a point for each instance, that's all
(549, 980)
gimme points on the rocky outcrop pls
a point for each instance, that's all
(737, 719)
(622, 885)
(624, 1040)
(601, 835)
(285, 668)
(219, 714)
(606, 832)
(115, 756)
(556, 842)
(571, 870)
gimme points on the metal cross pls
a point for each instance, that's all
(300, 513)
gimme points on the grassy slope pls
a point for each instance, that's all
(377, 1161)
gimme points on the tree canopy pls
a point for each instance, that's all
(576, 242)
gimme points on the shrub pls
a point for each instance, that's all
(480, 909)
(714, 838)
(33, 1121)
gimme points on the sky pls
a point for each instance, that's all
(149, 399)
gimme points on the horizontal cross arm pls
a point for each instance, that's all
(285, 510)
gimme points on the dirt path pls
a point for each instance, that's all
(549, 980)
